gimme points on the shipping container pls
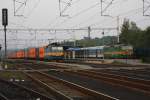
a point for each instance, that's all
(41, 53)
(32, 53)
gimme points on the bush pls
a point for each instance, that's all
(146, 59)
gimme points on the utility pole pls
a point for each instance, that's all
(103, 38)
(0, 52)
(105, 6)
(5, 42)
(18, 5)
(118, 29)
(89, 32)
(146, 8)
(5, 23)
(74, 39)
(101, 7)
(63, 6)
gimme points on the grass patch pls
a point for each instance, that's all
(9, 75)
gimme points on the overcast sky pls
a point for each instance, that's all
(80, 14)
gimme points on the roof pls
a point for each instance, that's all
(74, 49)
(87, 48)
(93, 48)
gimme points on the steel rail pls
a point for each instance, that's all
(2, 97)
(95, 94)
(27, 90)
(111, 79)
(122, 77)
(57, 94)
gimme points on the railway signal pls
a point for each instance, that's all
(5, 23)
(4, 17)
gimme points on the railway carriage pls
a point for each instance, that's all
(88, 52)
(118, 52)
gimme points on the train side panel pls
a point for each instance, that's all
(54, 53)
(41, 53)
(32, 53)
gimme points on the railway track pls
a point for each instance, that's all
(121, 77)
(65, 90)
(131, 73)
(12, 91)
(35, 65)
(50, 66)
(126, 83)
(103, 65)
(131, 83)
(2, 97)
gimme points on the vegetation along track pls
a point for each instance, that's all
(131, 83)
(65, 90)
(12, 91)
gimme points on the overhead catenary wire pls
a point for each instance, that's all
(77, 14)
(93, 6)
(58, 17)
(94, 15)
(31, 11)
(68, 4)
(121, 14)
(22, 4)
(103, 10)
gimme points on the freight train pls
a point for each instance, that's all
(53, 51)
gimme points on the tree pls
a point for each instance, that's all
(147, 38)
(131, 34)
(125, 32)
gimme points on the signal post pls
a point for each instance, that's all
(5, 23)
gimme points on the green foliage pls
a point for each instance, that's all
(132, 35)
(146, 38)
(125, 32)
(107, 40)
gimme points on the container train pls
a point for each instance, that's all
(50, 52)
